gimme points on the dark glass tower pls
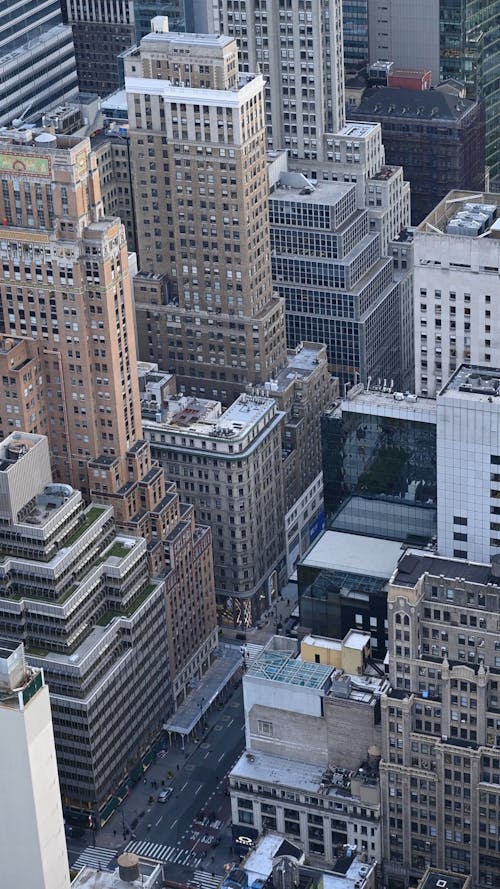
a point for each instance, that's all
(470, 52)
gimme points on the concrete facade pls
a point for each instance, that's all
(31, 803)
(405, 33)
(455, 309)
(440, 750)
(205, 305)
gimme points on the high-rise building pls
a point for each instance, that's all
(456, 314)
(338, 286)
(229, 465)
(469, 52)
(80, 598)
(65, 285)
(439, 772)
(355, 27)
(37, 59)
(204, 299)
(405, 33)
(298, 47)
(32, 841)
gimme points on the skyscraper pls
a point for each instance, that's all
(37, 59)
(204, 298)
(298, 47)
(32, 841)
(69, 365)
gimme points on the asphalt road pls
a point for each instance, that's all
(197, 812)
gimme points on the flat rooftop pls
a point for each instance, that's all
(318, 193)
(440, 879)
(387, 403)
(414, 564)
(337, 550)
(474, 381)
(299, 364)
(183, 39)
(355, 130)
(454, 203)
(259, 862)
(90, 878)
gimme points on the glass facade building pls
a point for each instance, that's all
(379, 469)
(355, 20)
(470, 52)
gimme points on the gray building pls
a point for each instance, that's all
(37, 59)
(338, 284)
(80, 598)
(406, 33)
(440, 773)
(310, 767)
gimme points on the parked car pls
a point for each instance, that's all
(164, 795)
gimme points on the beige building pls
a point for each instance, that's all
(440, 769)
(112, 153)
(69, 369)
(205, 304)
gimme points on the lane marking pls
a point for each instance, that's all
(173, 824)
(159, 819)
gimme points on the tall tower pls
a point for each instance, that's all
(298, 47)
(65, 283)
(37, 59)
(32, 842)
(204, 297)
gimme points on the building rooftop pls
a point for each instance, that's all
(186, 39)
(285, 666)
(425, 105)
(314, 193)
(90, 878)
(259, 862)
(444, 218)
(336, 550)
(355, 130)
(473, 381)
(204, 418)
(414, 564)
(386, 402)
(301, 363)
(440, 879)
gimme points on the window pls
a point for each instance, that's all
(265, 728)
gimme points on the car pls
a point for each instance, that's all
(164, 795)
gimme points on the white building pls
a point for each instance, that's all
(32, 841)
(131, 873)
(468, 465)
(456, 305)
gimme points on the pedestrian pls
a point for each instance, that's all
(114, 833)
(145, 780)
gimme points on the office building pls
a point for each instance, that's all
(457, 255)
(299, 50)
(441, 744)
(438, 141)
(65, 286)
(342, 583)
(355, 27)
(37, 60)
(80, 598)
(405, 33)
(379, 464)
(229, 465)
(469, 48)
(468, 431)
(112, 154)
(337, 284)
(131, 873)
(310, 765)
(204, 299)
(65, 277)
(32, 840)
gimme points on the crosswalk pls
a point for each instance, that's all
(252, 649)
(159, 852)
(95, 856)
(205, 880)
